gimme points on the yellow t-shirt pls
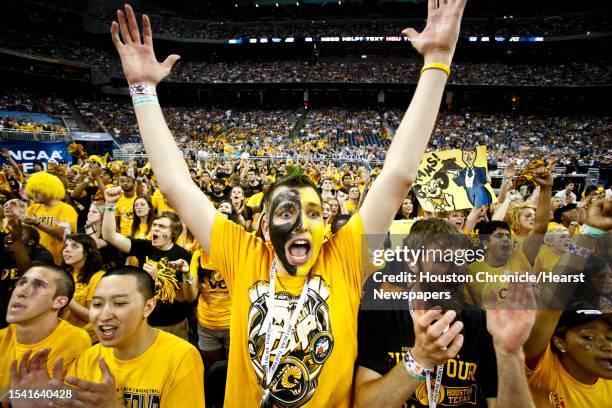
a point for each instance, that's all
(480, 292)
(552, 386)
(50, 216)
(546, 260)
(159, 203)
(317, 368)
(214, 302)
(141, 232)
(83, 294)
(168, 374)
(65, 341)
(350, 207)
(254, 200)
(125, 212)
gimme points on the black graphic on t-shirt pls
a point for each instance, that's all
(296, 378)
(468, 380)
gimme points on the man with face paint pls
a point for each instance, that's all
(294, 298)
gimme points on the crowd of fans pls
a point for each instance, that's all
(572, 24)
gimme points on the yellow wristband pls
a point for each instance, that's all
(437, 65)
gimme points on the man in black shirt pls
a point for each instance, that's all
(159, 252)
(462, 354)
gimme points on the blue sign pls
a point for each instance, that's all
(30, 117)
(26, 153)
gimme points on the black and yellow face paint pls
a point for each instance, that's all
(296, 213)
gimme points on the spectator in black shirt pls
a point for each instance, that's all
(159, 252)
(463, 352)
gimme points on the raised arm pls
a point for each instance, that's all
(533, 242)
(510, 328)
(553, 297)
(142, 68)
(7, 156)
(437, 45)
(109, 223)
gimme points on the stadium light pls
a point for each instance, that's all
(256, 5)
(297, 3)
(276, 4)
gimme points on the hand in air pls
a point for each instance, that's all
(138, 58)
(437, 42)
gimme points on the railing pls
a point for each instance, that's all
(34, 136)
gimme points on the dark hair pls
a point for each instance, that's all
(144, 281)
(339, 221)
(176, 226)
(150, 216)
(489, 227)
(93, 258)
(426, 232)
(294, 178)
(108, 172)
(558, 213)
(65, 282)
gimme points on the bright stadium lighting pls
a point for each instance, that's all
(256, 5)
(297, 3)
(276, 4)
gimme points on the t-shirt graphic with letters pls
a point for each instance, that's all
(311, 344)
(317, 367)
(467, 380)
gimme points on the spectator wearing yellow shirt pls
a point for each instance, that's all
(501, 257)
(291, 278)
(84, 261)
(39, 296)
(353, 199)
(134, 364)
(159, 202)
(49, 214)
(143, 218)
(214, 305)
(125, 205)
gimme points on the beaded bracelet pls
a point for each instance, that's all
(414, 369)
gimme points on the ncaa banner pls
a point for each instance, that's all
(26, 153)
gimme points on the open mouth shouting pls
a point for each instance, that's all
(106, 332)
(299, 251)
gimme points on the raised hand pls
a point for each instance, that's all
(180, 265)
(542, 177)
(112, 195)
(436, 43)
(138, 58)
(4, 152)
(510, 171)
(434, 344)
(151, 269)
(510, 326)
